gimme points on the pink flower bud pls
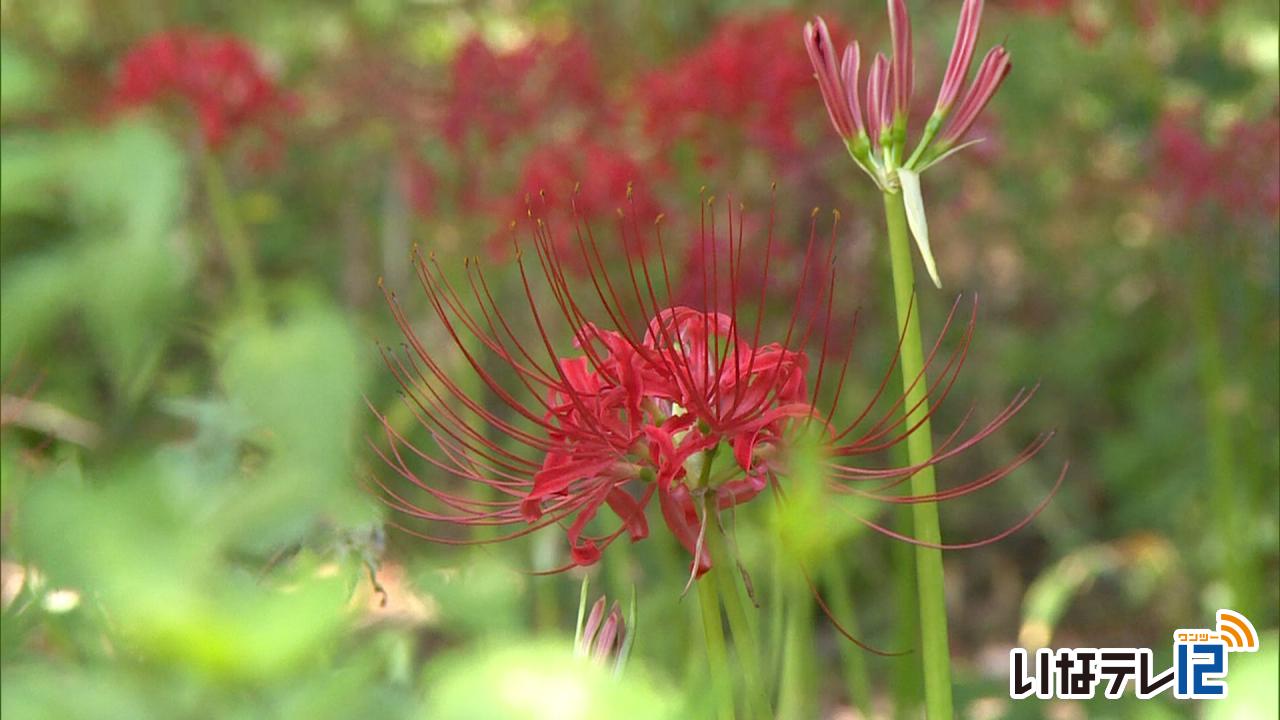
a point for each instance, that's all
(961, 55)
(995, 67)
(903, 67)
(879, 111)
(817, 41)
(849, 75)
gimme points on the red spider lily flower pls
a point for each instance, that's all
(219, 76)
(879, 144)
(605, 394)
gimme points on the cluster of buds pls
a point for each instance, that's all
(604, 639)
(878, 141)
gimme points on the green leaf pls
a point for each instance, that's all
(155, 558)
(914, 202)
(299, 383)
(1252, 693)
(129, 292)
(132, 178)
(301, 380)
(32, 166)
(542, 682)
(23, 83)
(35, 294)
(124, 188)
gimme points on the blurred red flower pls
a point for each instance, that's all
(1239, 174)
(219, 76)
(501, 94)
(418, 182)
(597, 182)
(745, 75)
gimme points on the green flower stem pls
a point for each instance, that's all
(929, 582)
(717, 653)
(731, 592)
(1225, 500)
(546, 604)
(796, 693)
(906, 681)
(853, 659)
(234, 241)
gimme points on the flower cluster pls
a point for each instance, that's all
(744, 75)
(1239, 174)
(689, 405)
(217, 75)
(553, 175)
(877, 141)
(497, 95)
(538, 111)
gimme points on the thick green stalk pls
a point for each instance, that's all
(907, 685)
(929, 581)
(723, 573)
(234, 241)
(717, 653)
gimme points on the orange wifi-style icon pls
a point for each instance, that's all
(1237, 632)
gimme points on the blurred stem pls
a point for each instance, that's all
(929, 582)
(777, 605)
(717, 654)
(852, 658)
(234, 241)
(732, 594)
(1222, 462)
(796, 691)
(617, 568)
(546, 602)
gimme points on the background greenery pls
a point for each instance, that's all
(186, 529)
